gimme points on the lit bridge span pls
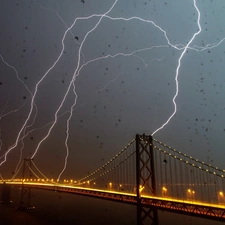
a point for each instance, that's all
(146, 173)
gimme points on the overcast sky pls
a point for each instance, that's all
(119, 96)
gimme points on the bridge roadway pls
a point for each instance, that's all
(192, 208)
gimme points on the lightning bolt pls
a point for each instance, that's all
(178, 70)
(74, 90)
(121, 73)
(15, 110)
(36, 90)
(61, 19)
(0, 139)
(24, 135)
(16, 72)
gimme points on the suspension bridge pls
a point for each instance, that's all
(146, 173)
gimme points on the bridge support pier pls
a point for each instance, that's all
(6, 194)
(26, 191)
(145, 179)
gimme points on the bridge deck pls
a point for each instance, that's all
(199, 209)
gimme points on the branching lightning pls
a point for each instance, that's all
(0, 139)
(178, 69)
(34, 95)
(75, 94)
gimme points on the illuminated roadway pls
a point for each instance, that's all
(193, 208)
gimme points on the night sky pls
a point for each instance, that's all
(124, 83)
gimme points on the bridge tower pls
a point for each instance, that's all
(26, 191)
(145, 179)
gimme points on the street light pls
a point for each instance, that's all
(191, 194)
(164, 190)
(141, 188)
(221, 197)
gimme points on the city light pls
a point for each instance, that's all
(221, 199)
(164, 190)
(141, 188)
(190, 194)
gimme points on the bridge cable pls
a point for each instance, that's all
(110, 161)
(111, 169)
(14, 175)
(176, 182)
(171, 177)
(33, 172)
(2, 177)
(40, 171)
(194, 165)
(189, 157)
(161, 172)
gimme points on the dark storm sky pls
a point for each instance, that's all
(117, 97)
